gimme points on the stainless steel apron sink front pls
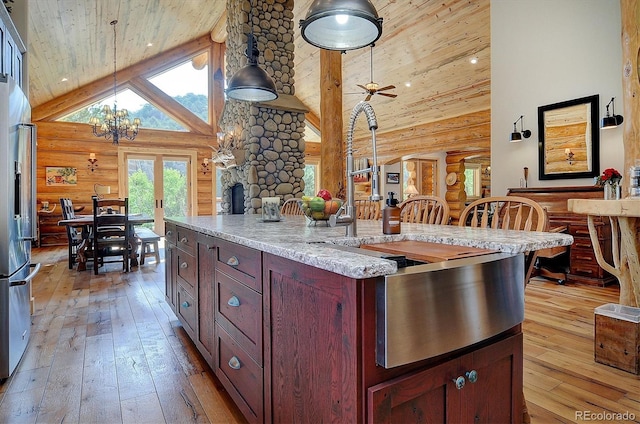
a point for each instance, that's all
(427, 310)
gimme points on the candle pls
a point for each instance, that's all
(567, 151)
(92, 156)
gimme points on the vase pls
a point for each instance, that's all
(612, 191)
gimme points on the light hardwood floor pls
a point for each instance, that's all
(107, 349)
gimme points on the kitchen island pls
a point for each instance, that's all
(289, 318)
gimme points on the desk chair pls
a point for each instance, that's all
(507, 213)
(111, 232)
(425, 210)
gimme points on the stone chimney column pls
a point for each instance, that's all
(272, 135)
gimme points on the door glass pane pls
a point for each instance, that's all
(141, 182)
(175, 187)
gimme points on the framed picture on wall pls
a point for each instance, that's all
(393, 178)
(61, 175)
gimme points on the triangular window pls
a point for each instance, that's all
(138, 107)
(187, 83)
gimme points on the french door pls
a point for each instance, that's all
(157, 182)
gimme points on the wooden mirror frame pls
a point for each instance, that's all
(582, 136)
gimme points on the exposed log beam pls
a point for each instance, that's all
(168, 105)
(332, 164)
(101, 88)
(467, 132)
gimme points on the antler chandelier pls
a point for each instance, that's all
(115, 124)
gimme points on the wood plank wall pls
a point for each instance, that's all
(69, 144)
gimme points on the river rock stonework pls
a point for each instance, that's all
(272, 137)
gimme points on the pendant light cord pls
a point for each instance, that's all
(113, 23)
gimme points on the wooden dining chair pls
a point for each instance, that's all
(291, 207)
(507, 213)
(425, 210)
(74, 234)
(111, 232)
(367, 209)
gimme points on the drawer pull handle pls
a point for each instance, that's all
(472, 376)
(587, 258)
(185, 304)
(184, 240)
(233, 301)
(234, 363)
(583, 245)
(582, 232)
(184, 265)
(586, 271)
(210, 247)
(233, 261)
(169, 233)
(459, 382)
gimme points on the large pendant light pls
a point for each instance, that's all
(251, 83)
(341, 24)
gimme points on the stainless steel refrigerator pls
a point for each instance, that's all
(17, 223)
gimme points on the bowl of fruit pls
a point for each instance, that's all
(320, 207)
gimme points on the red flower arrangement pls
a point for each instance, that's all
(609, 176)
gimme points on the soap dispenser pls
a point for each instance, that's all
(391, 216)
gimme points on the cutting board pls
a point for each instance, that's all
(427, 251)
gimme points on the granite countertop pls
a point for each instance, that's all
(293, 238)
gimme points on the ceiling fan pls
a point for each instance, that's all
(372, 88)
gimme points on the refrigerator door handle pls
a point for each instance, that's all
(30, 277)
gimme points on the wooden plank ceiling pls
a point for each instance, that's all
(427, 43)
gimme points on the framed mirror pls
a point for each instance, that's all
(569, 139)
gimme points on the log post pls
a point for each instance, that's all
(630, 13)
(332, 158)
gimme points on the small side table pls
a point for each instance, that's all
(624, 216)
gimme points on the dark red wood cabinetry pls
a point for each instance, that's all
(293, 343)
(476, 387)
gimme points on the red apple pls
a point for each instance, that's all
(324, 194)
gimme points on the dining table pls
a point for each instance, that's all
(85, 222)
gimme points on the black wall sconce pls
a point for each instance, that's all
(610, 121)
(569, 156)
(517, 136)
(92, 162)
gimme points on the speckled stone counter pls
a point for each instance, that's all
(293, 238)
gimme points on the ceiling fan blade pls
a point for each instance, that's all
(388, 87)
(362, 86)
(388, 95)
(367, 98)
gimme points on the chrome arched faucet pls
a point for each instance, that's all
(346, 215)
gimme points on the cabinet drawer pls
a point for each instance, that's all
(186, 308)
(240, 375)
(186, 240)
(239, 312)
(187, 270)
(586, 268)
(170, 233)
(241, 262)
(582, 230)
(581, 243)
